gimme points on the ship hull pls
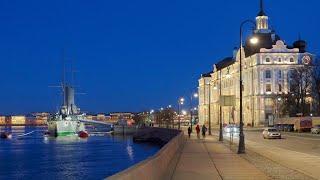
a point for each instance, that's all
(65, 128)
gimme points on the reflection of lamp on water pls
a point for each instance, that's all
(130, 151)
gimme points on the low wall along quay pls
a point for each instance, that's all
(160, 165)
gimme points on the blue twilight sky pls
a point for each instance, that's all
(131, 55)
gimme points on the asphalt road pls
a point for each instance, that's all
(290, 141)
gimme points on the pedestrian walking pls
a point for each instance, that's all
(189, 131)
(198, 131)
(204, 130)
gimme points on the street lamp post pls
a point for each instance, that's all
(194, 95)
(278, 111)
(209, 107)
(180, 102)
(220, 110)
(241, 148)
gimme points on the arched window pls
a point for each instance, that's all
(279, 59)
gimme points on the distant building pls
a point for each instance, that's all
(41, 118)
(103, 117)
(91, 117)
(127, 116)
(3, 120)
(17, 120)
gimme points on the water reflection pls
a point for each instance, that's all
(64, 139)
(130, 151)
(37, 157)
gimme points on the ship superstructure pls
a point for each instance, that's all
(67, 121)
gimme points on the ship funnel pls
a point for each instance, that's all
(69, 106)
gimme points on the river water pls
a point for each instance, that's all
(37, 157)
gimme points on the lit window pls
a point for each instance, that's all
(268, 88)
(268, 74)
(267, 59)
(291, 60)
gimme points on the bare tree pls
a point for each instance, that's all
(301, 90)
(141, 118)
(165, 117)
(316, 85)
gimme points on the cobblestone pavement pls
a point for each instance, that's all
(269, 167)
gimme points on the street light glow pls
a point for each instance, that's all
(254, 40)
(184, 112)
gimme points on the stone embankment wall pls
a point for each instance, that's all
(158, 166)
(118, 129)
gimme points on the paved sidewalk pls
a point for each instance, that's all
(210, 159)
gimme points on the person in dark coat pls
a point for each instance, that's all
(204, 130)
(189, 131)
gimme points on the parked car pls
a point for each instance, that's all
(231, 128)
(315, 129)
(271, 133)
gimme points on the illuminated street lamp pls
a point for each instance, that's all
(253, 40)
(180, 102)
(220, 109)
(209, 105)
(278, 101)
(193, 96)
(184, 112)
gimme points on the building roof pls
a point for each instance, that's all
(266, 40)
(207, 74)
(225, 63)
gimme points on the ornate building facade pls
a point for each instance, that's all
(266, 68)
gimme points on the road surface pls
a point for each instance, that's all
(289, 141)
(295, 151)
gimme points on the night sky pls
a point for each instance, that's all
(130, 55)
